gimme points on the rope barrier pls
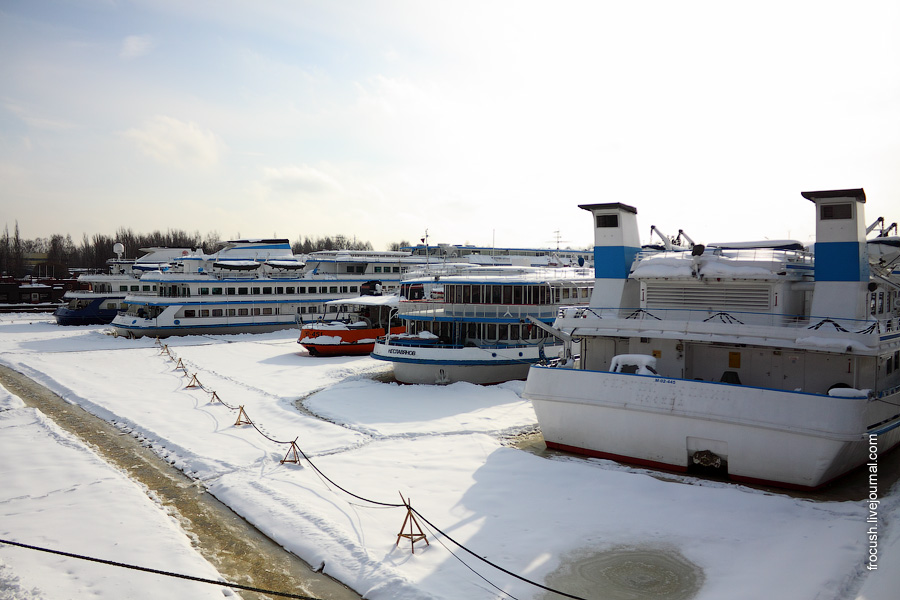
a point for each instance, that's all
(496, 566)
(294, 448)
(236, 586)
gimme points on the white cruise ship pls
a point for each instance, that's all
(770, 362)
(472, 323)
(251, 286)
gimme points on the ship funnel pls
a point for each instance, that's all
(616, 244)
(842, 265)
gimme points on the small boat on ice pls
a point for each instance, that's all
(359, 322)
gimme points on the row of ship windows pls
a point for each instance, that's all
(893, 363)
(243, 291)
(881, 303)
(265, 290)
(462, 333)
(243, 312)
(512, 294)
(362, 269)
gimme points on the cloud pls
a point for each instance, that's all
(35, 120)
(176, 143)
(302, 178)
(135, 46)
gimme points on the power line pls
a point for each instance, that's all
(237, 586)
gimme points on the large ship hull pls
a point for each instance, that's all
(92, 314)
(161, 327)
(789, 439)
(430, 365)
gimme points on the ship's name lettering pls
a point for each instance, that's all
(401, 351)
(661, 380)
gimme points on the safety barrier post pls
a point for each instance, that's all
(242, 418)
(293, 453)
(412, 536)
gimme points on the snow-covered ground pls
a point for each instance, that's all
(442, 447)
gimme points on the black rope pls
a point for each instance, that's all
(496, 566)
(346, 491)
(395, 505)
(469, 567)
(158, 572)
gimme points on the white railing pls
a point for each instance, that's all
(439, 310)
(647, 316)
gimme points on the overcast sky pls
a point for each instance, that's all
(482, 122)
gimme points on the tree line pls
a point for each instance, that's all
(64, 255)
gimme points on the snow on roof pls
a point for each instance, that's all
(388, 300)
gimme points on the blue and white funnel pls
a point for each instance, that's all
(616, 243)
(842, 265)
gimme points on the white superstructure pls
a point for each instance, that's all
(252, 286)
(472, 323)
(771, 362)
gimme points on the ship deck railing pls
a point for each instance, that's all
(424, 309)
(651, 318)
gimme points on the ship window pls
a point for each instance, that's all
(242, 291)
(217, 312)
(204, 291)
(323, 290)
(349, 268)
(361, 268)
(255, 290)
(333, 289)
(190, 313)
(313, 309)
(378, 269)
(145, 288)
(229, 291)
(832, 212)
(243, 312)
(289, 290)
(353, 289)
(111, 306)
(135, 288)
(517, 294)
(256, 311)
(607, 221)
(267, 290)
(396, 269)
(301, 290)
(217, 291)
(279, 290)
(204, 312)
(880, 303)
(231, 312)
(507, 294)
(267, 311)
(476, 294)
